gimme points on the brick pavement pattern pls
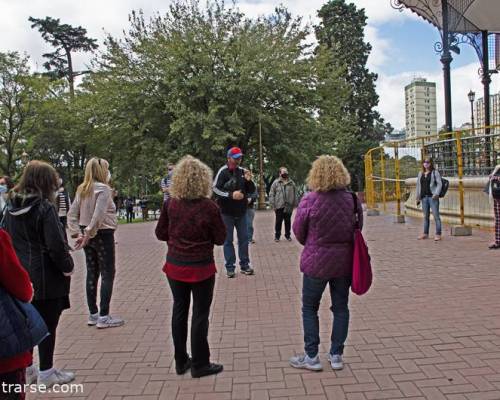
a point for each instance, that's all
(428, 329)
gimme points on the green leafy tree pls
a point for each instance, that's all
(66, 40)
(340, 35)
(198, 80)
(20, 94)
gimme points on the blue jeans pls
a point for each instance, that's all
(250, 217)
(428, 204)
(240, 223)
(312, 290)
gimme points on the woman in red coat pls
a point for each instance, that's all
(191, 224)
(16, 281)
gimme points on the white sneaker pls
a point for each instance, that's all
(56, 377)
(31, 375)
(93, 318)
(336, 361)
(305, 362)
(109, 322)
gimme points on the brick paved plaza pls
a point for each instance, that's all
(428, 329)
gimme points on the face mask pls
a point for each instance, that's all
(284, 175)
(426, 164)
(109, 176)
(3, 189)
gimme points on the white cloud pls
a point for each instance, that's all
(112, 16)
(463, 79)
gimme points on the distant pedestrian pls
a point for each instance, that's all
(40, 243)
(283, 198)
(6, 185)
(429, 184)
(493, 191)
(129, 209)
(251, 212)
(232, 186)
(191, 224)
(324, 225)
(167, 181)
(92, 220)
(143, 204)
(63, 203)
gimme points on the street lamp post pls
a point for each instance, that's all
(471, 95)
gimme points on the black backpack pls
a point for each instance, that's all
(444, 187)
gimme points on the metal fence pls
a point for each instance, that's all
(455, 154)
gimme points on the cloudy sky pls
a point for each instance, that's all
(402, 43)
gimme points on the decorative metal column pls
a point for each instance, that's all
(446, 60)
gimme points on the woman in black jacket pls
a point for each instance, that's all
(38, 237)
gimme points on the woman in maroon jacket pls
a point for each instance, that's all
(16, 281)
(191, 224)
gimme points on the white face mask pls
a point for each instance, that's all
(3, 189)
(109, 177)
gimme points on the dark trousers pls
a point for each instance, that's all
(130, 215)
(281, 216)
(100, 257)
(202, 300)
(240, 223)
(50, 313)
(496, 208)
(64, 222)
(312, 290)
(17, 377)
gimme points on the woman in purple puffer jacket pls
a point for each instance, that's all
(324, 225)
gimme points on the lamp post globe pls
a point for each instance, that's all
(471, 95)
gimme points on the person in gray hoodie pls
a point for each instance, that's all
(429, 184)
(283, 199)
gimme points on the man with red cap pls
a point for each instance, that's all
(232, 186)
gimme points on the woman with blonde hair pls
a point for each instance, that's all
(324, 225)
(191, 224)
(92, 221)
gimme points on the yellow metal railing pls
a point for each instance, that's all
(470, 152)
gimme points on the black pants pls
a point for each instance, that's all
(100, 257)
(17, 377)
(64, 223)
(281, 216)
(202, 300)
(50, 311)
(130, 215)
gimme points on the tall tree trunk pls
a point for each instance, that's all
(71, 74)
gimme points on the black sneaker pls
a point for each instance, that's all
(289, 239)
(230, 274)
(248, 271)
(183, 368)
(276, 240)
(210, 369)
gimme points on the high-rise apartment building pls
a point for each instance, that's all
(494, 113)
(421, 114)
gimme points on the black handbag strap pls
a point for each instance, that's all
(356, 210)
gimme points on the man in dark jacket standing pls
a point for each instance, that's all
(232, 186)
(283, 199)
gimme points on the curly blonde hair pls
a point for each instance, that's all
(191, 180)
(328, 173)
